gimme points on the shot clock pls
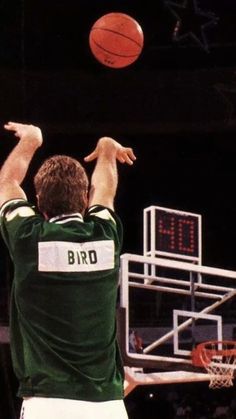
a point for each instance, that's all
(172, 233)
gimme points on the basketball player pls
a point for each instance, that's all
(66, 262)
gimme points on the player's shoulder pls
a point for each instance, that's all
(101, 212)
(16, 207)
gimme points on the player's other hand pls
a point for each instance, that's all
(110, 147)
(26, 132)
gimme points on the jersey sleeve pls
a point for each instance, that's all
(108, 219)
(13, 215)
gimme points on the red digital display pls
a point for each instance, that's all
(177, 233)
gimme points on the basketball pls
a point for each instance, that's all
(116, 40)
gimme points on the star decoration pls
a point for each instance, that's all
(228, 92)
(192, 22)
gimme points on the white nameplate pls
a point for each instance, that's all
(60, 256)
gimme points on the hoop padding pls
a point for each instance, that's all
(219, 360)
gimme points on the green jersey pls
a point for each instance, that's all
(63, 302)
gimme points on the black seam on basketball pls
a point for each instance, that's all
(114, 53)
(118, 33)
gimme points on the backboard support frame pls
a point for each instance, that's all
(216, 293)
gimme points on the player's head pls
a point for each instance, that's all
(61, 186)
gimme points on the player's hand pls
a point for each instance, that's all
(26, 132)
(112, 147)
(125, 155)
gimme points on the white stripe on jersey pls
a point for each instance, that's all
(21, 212)
(10, 202)
(60, 256)
(104, 214)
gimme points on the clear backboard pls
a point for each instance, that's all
(172, 301)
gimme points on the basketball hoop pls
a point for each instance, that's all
(219, 360)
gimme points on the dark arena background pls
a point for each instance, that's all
(176, 106)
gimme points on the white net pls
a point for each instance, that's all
(219, 359)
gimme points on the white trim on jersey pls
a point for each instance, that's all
(103, 213)
(64, 218)
(10, 202)
(61, 256)
(21, 212)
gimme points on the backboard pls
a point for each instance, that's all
(173, 303)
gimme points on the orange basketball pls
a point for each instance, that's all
(116, 40)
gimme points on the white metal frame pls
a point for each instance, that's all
(193, 315)
(129, 278)
(152, 259)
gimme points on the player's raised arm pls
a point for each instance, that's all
(17, 163)
(105, 177)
